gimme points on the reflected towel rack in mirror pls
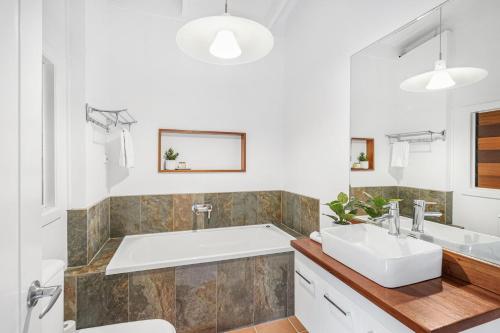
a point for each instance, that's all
(417, 137)
(109, 117)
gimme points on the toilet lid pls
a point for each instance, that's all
(149, 326)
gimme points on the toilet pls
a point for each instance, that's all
(53, 274)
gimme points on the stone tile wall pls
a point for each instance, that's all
(300, 213)
(162, 213)
(202, 298)
(88, 230)
(443, 199)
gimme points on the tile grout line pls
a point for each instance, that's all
(254, 293)
(128, 296)
(216, 295)
(76, 300)
(175, 297)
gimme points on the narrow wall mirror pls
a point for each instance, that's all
(428, 95)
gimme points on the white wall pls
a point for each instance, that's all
(88, 81)
(294, 104)
(380, 107)
(320, 39)
(76, 105)
(132, 60)
(54, 49)
(474, 42)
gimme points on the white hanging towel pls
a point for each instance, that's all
(400, 154)
(126, 150)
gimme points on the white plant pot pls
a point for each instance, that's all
(364, 164)
(170, 164)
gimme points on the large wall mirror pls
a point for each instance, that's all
(428, 96)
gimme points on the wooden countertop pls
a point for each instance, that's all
(439, 305)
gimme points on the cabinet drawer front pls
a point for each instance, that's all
(336, 310)
(306, 307)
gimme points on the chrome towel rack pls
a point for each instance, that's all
(110, 117)
(417, 137)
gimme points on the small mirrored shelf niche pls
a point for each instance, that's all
(367, 146)
(203, 151)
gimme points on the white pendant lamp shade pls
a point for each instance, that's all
(225, 40)
(443, 78)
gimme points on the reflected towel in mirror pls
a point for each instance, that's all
(400, 154)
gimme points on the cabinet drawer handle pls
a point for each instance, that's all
(303, 277)
(335, 305)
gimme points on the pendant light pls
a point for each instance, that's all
(442, 77)
(225, 39)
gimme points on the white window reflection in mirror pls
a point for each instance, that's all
(48, 134)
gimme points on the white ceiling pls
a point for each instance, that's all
(455, 12)
(267, 12)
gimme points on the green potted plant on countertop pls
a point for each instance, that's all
(363, 161)
(374, 206)
(344, 209)
(170, 157)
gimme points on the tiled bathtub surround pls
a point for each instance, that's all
(88, 230)
(212, 297)
(161, 213)
(443, 199)
(300, 213)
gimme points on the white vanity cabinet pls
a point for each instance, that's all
(326, 305)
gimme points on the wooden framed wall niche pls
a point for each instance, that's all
(203, 151)
(368, 147)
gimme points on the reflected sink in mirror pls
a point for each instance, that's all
(464, 241)
(387, 260)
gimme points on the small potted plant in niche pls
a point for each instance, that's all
(343, 208)
(170, 157)
(363, 161)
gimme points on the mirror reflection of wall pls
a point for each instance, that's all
(433, 145)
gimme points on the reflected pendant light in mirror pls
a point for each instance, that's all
(442, 77)
(225, 39)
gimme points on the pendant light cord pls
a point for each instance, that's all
(225, 9)
(440, 33)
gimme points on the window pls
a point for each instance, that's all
(487, 161)
(48, 135)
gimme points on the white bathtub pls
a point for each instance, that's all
(169, 249)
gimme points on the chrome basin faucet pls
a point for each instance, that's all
(392, 216)
(419, 214)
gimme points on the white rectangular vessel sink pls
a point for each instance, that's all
(387, 260)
